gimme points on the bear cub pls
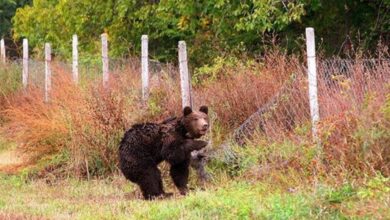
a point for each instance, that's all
(146, 145)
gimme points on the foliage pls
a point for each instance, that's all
(347, 26)
(358, 141)
(215, 70)
(7, 11)
(211, 28)
(215, 27)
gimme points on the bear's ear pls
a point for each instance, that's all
(187, 110)
(204, 109)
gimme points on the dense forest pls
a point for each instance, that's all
(211, 28)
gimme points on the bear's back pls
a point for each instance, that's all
(141, 141)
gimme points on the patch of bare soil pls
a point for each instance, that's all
(11, 161)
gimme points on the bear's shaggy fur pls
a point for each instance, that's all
(146, 145)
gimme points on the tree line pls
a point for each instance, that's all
(210, 28)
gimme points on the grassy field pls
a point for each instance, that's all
(115, 198)
(247, 186)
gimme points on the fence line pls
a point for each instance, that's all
(183, 67)
(296, 102)
(257, 121)
(339, 90)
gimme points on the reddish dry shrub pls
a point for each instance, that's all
(86, 122)
(354, 129)
(165, 99)
(37, 126)
(345, 92)
(341, 92)
(357, 141)
(242, 90)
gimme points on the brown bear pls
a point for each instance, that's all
(146, 145)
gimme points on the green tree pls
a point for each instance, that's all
(7, 11)
(210, 28)
(343, 26)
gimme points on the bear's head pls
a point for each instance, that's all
(196, 122)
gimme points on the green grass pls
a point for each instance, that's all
(6, 145)
(238, 191)
(10, 78)
(113, 198)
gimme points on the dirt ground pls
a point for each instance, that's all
(11, 161)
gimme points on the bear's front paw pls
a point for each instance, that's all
(199, 144)
(183, 191)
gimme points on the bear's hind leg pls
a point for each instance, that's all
(179, 173)
(151, 183)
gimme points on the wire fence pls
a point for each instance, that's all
(89, 70)
(343, 84)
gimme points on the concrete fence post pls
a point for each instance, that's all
(145, 67)
(105, 59)
(25, 63)
(184, 76)
(2, 51)
(75, 60)
(312, 79)
(47, 71)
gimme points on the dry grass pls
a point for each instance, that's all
(80, 120)
(242, 89)
(85, 123)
